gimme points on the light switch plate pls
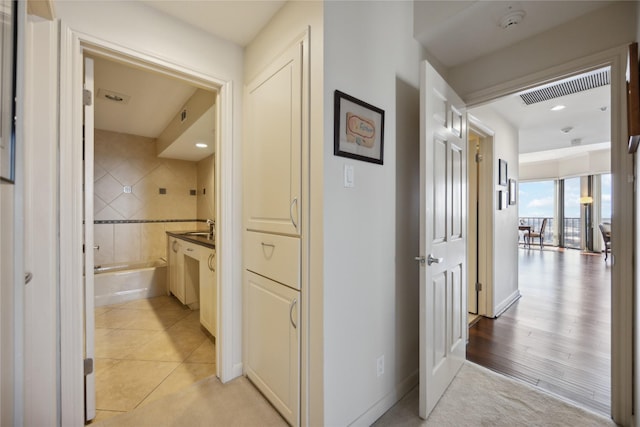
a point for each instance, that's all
(349, 178)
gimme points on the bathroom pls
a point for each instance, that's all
(149, 178)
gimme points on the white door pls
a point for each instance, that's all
(443, 218)
(274, 144)
(89, 322)
(273, 343)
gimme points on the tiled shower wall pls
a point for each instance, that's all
(122, 161)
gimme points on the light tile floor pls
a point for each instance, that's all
(147, 349)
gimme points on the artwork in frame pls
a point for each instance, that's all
(502, 172)
(512, 191)
(358, 129)
(8, 34)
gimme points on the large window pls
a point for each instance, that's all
(536, 201)
(572, 225)
(605, 198)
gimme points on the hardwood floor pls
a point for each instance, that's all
(557, 335)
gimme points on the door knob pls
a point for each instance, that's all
(432, 260)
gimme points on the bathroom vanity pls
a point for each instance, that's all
(192, 273)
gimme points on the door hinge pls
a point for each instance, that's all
(478, 157)
(478, 287)
(88, 367)
(86, 97)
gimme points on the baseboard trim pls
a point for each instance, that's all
(504, 305)
(384, 404)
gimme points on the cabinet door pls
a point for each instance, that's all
(176, 269)
(191, 273)
(208, 291)
(273, 347)
(273, 146)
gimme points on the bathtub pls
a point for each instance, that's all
(117, 283)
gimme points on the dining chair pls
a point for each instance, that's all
(605, 229)
(538, 235)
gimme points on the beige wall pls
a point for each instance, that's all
(129, 160)
(206, 188)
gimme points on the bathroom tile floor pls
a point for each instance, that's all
(147, 349)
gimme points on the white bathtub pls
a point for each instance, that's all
(117, 283)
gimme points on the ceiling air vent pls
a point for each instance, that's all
(567, 87)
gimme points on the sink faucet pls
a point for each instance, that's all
(212, 229)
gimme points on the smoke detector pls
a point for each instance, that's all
(512, 18)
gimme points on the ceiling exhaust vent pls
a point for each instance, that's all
(112, 96)
(567, 87)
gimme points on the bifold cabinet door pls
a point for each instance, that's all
(176, 269)
(273, 343)
(208, 291)
(273, 146)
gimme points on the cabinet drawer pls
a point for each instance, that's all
(273, 256)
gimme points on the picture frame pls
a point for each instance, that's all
(358, 129)
(512, 191)
(633, 99)
(502, 172)
(502, 200)
(8, 50)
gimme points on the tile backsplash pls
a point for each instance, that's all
(123, 160)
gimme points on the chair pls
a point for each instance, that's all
(538, 235)
(605, 229)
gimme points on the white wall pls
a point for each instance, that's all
(588, 163)
(370, 278)
(600, 30)
(505, 222)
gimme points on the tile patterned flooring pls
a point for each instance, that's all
(147, 349)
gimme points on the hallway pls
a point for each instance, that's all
(557, 335)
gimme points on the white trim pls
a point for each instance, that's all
(504, 305)
(70, 237)
(387, 402)
(19, 224)
(73, 46)
(622, 277)
(225, 222)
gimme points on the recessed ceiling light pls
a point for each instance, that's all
(558, 108)
(201, 145)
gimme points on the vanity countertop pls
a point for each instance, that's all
(189, 236)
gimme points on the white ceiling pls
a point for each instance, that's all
(586, 116)
(454, 32)
(237, 21)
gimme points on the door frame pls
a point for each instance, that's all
(623, 178)
(73, 46)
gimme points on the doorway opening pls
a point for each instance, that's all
(154, 147)
(547, 336)
(479, 243)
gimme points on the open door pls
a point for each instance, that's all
(443, 228)
(89, 321)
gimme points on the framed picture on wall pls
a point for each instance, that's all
(512, 191)
(502, 172)
(358, 129)
(8, 36)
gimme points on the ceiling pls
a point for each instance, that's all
(584, 124)
(454, 32)
(149, 102)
